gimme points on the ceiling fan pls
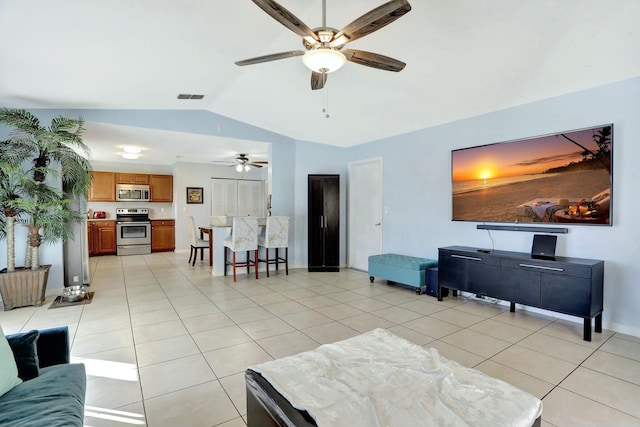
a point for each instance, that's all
(324, 46)
(243, 163)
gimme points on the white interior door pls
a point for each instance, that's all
(365, 212)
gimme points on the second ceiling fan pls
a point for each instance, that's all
(324, 46)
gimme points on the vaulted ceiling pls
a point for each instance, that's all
(464, 58)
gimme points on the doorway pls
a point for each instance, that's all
(365, 212)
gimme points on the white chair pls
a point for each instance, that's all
(276, 236)
(196, 242)
(244, 237)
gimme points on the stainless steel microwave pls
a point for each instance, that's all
(132, 193)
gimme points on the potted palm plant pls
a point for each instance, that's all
(32, 159)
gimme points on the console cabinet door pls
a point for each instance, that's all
(520, 285)
(483, 276)
(566, 294)
(469, 271)
(452, 272)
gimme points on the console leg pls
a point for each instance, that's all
(455, 292)
(439, 293)
(512, 307)
(587, 329)
(598, 327)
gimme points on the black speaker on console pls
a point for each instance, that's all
(544, 246)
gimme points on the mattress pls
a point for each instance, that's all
(380, 379)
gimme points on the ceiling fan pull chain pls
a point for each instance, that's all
(325, 109)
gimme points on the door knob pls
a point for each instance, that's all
(378, 224)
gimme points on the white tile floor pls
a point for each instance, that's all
(166, 344)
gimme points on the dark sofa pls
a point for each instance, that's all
(53, 390)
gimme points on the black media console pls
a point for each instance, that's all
(572, 286)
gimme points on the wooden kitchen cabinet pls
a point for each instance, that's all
(103, 188)
(163, 235)
(132, 178)
(102, 237)
(161, 188)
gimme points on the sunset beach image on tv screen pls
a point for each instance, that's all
(560, 178)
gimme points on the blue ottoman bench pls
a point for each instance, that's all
(403, 269)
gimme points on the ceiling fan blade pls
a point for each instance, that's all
(255, 164)
(288, 19)
(371, 21)
(373, 60)
(318, 80)
(272, 57)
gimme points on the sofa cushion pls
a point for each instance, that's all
(8, 369)
(24, 350)
(54, 399)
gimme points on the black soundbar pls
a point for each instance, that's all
(523, 228)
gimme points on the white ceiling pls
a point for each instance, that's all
(464, 58)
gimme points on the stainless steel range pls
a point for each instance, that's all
(133, 229)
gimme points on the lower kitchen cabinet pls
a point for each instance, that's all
(163, 235)
(102, 237)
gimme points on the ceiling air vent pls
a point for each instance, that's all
(189, 96)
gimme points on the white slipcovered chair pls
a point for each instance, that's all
(275, 236)
(197, 244)
(244, 237)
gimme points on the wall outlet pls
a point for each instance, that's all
(161, 209)
(76, 279)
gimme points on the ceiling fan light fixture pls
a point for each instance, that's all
(324, 59)
(247, 168)
(133, 149)
(239, 168)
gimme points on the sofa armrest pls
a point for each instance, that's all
(53, 346)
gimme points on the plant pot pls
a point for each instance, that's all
(23, 287)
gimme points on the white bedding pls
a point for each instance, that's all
(380, 379)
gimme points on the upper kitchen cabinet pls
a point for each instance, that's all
(132, 178)
(161, 188)
(103, 188)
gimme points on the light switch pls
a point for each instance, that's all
(386, 210)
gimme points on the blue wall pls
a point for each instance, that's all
(417, 189)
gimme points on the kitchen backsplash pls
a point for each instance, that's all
(156, 210)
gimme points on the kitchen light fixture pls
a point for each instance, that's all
(131, 152)
(324, 59)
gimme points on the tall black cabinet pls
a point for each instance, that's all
(324, 223)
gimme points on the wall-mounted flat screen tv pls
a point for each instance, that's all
(559, 178)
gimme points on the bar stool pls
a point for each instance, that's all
(196, 242)
(275, 235)
(244, 237)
